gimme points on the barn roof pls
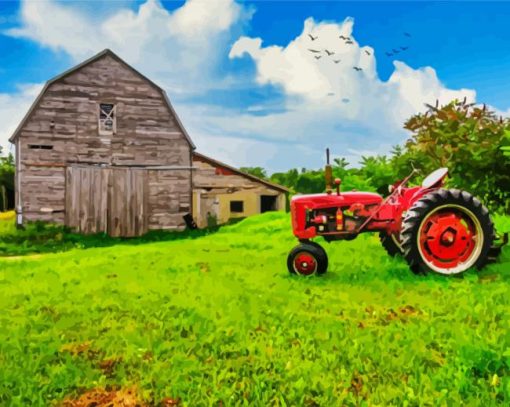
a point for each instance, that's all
(217, 163)
(103, 53)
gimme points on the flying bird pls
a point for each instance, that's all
(368, 53)
(313, 50)
(345, 100)
(349, 42)
(345, 38)
(407, 34)
(388, 54)
(331, 94)
(312, 37)
(318, 56)
(404, 48)
(395, 51)
(328, 52)
(357, 68)
(336, 61)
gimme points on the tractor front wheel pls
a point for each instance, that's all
(306, 259)
(447, 232)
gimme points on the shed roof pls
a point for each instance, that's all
(217, 163)
(101, 54)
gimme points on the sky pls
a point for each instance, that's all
(252, 81)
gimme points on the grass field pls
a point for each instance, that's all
(218, 320)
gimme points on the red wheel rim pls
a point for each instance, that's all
(305, 263)
(450, 239)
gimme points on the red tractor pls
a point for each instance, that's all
(446, 231)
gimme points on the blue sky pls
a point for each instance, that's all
(268, 102)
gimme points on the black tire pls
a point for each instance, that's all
(324, 254)
(317, 255)
(456, 201)
(391, 247)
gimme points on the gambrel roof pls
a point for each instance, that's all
(106, 52)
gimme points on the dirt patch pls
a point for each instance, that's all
(106, 398)
(204, 267)
(107, 366)
(81, 349)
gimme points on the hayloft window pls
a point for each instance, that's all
(236, 206)
(40, 147)
(107, 119)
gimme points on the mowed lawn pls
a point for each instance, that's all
(218, 320)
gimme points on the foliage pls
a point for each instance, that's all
(471, 141)
(466, 139)
(217, 320)
(256, 171)
(506, 144)
(7, 180)
(40, 237)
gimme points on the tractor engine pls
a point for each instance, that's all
(335, 220)
(335, 217)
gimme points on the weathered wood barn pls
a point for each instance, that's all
(102, 150)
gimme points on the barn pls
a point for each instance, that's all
(102, 150)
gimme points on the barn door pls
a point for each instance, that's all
(107, 200)
(127, 202)
(86, 199)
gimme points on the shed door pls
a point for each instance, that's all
(100, 200)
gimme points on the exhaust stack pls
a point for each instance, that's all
(328, 173)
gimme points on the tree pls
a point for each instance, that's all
(256, 171)
(6, 181)
(465, 138)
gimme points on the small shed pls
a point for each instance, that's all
(222, 192)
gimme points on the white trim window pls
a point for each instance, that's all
(107, 119)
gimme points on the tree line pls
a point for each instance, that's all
(468, 139)
(6, 182)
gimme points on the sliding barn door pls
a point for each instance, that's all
(107, 200)
(86, 199)
(127, 202)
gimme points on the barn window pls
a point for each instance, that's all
(237, 206)
(107, 119)
(40, 147)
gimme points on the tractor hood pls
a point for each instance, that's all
(314, 201)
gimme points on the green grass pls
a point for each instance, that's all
(219, 318)
(40, 237)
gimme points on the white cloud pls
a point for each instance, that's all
(297, 71)
(13, 108)
(326, 104)
(333, 104)
(180, 49)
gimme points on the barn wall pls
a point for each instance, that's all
(169, 198)
(66, 118)
(43, 189)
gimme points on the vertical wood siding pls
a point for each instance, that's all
(112, 200)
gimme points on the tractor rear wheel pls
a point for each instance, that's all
(391, 243)
(447, 232)
(307, 258)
